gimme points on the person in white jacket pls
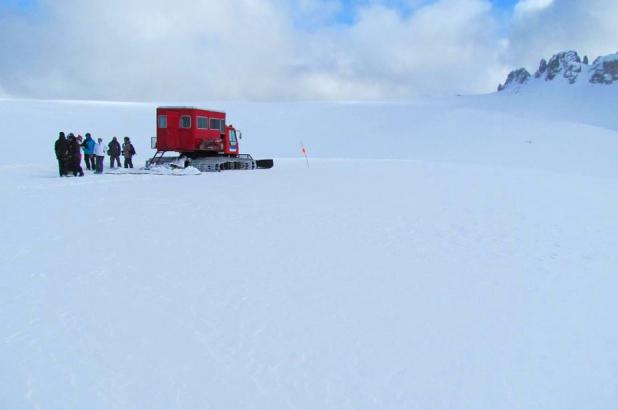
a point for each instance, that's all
(99, 153)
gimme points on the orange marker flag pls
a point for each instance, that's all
(304, 151)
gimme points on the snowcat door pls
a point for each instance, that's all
(232, 141)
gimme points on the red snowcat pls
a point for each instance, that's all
(203, 139)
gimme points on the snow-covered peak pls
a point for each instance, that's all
(567, 64)
(604, 70)
(567, 67)
(515, 79)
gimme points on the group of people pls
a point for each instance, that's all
(69, 153)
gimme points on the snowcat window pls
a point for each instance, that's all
(185, 121)
(217, 124)
(162, 121)
(202, 123)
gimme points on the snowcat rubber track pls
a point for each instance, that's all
(213, 164)
(265, 163)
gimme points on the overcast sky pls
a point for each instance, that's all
(141, 50)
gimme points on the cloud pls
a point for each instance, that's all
(246, 49)
(441, 48)
(150, 49)
(527, 6)
(312, 13)
(284, 49)
(540, 28)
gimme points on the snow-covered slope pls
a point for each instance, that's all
(467, 260)
(518, 130)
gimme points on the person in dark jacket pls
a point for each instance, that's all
(62, 153)
(76, 156)
(88, 146)
(69, 163)
(128, 151)
(114, 151)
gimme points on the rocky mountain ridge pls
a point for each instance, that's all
(566, 66)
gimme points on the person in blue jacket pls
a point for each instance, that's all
(88, 147)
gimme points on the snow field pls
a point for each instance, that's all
(479, 275)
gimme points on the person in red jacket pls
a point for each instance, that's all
(75, 150)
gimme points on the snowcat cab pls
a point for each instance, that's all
(203, 140)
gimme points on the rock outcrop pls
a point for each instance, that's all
(605, 70)
(569, 67)
(567, 64)
(542, 69)
(515, 78)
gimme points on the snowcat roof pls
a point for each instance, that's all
(190, 108)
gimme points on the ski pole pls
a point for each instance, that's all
(304, 153)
